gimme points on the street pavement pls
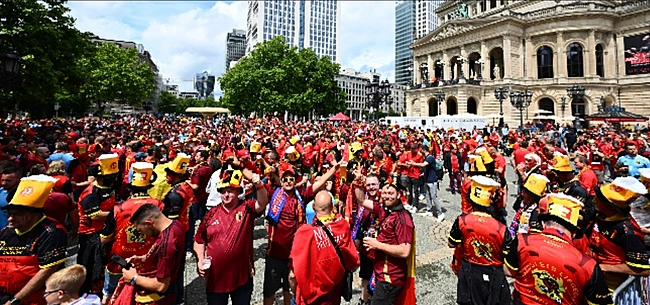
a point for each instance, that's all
(435, 282)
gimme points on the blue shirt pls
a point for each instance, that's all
(430, 169)
(65, 157)
(633, 164)
(3, 212)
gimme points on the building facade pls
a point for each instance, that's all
(235, 47)
(204, 84)
(413, 20)
(535, 45)
(354, 85)
(303, 24)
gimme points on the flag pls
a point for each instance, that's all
(407, 296)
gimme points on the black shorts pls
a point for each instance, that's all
(385, 294)
(276, 276)
(366, 267)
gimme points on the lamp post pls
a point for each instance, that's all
(563, 105)
(500, 94)
(480, 63)
(9, 68)
(440, 96)
(576, 93)
(377, 94)
(521, 100)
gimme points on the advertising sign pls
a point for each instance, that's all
(637, 54)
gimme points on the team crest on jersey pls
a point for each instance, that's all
(481, 249)
(27, 191)
(239, 216)
(133, 235)
(548, 285)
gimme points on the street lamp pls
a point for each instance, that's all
(563, 105)
(521, 100)
(576, 93)
(440, 96)
(377, 94)
(480, 63)
(500, 94)
(9, 68)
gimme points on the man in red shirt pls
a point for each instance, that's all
(413, 174)
(392, 246)
(585, 175)
(224, 241)
(286, 214)
(152, 274)
(499, 162)
(199, 181)
(317, 270)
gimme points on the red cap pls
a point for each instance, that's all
(286, 168)
(243, 153)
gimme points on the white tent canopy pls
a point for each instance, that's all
(207, 111)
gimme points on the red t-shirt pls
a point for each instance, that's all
(201, 177)
(164, 260)
(396, 228)
(281, 235)
(58, 205)
(403, 170)
(228, 237)
(500, 163)
(520, 156)
(414, 171)
(589, 181)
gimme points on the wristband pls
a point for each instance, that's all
(133, 280)
(259, 186)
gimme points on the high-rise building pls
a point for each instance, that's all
(235, 46)
(414, 19)
(303, 24)
(204, 84)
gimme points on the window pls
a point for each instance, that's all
(600, 67)
(544, 62)
(574, 62)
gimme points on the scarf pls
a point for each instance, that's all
(278, 200)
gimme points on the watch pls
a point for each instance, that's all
(132, 281)
(15, 301)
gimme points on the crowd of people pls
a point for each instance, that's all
(141, 195)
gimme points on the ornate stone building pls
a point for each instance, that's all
(543, 46)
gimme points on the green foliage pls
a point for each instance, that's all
(116, 74)
(277, 78)
(43, 34)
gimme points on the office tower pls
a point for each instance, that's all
(413, 20)
(235, 46)
(204, 84)
(303, 24)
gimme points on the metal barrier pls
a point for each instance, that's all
(634, 291)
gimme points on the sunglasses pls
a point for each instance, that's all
(288, 179)
(46, 293)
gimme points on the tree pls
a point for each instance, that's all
(277, 78)
(167, 103)
(116, 74)
(43, 34)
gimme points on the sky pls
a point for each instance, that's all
(187, 37)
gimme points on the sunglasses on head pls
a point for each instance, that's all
(288, 179)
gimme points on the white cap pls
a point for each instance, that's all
(142, 165)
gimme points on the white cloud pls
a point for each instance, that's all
(185, 38)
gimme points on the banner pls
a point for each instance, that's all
(637, 54)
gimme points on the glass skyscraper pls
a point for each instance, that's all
(303, 23)
(414, 19)
(404, 36)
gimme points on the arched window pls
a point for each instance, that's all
(574, 62)
(600, 61)
(472, 106)
(545, 62)
(452, 106)
(547, 104)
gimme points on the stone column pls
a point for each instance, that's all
(465, 66)
(561, 56)
(416, 71)
(430, 67)
(485, 69)
(589, 54)
(445, 59)
(507, 50)
(620, 50)
(610, 56)
(530, 60)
